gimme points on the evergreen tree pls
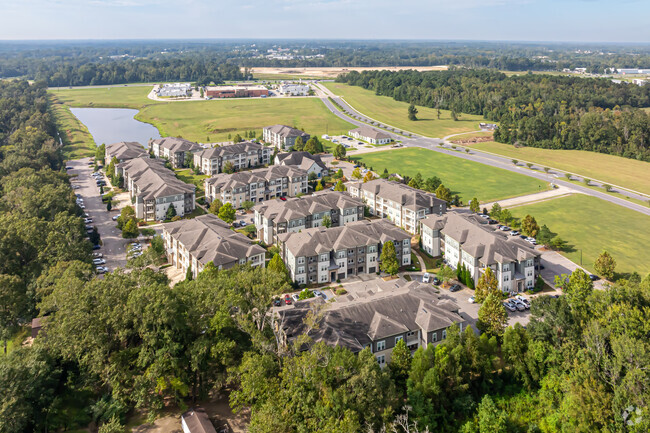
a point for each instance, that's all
(215, 206)
(389, 259)
(340, 186)
(492, 316)
(298, 145)
(130, 229)
(487, 284)
(412, 112)
(605, 265)
(171, 212)
(474, 205)
(327, 222)
(227, 213)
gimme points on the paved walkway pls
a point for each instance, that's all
(532, 198)
(423, 266)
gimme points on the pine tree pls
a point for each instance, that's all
(487, 284)
(389, 259)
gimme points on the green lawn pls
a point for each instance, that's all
(394, 113)
(466, 178)
(187, 175)
(628, 173)
(78, 143)
(593, 225)
(214, 120)
(107, 97)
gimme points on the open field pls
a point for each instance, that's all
(187, 175)
(78, 143)
(593, 225)
(211, 121)
(328, 72)
(465, 178)
(394, 113)
(107, 97)
(628, 173)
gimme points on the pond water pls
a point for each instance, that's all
(111, 125)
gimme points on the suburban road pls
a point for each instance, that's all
(440, 145)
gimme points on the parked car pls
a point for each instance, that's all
(99, 261)
(283, 198)
(295, 297)
(532, 242)
(115, 217)
(436, 281)
(319, 293)
(523, 300)
(242, 223)
(426, 277)
(68, 167)
(491, 221)
(524, 237)
(135, 244)
(471, 300)
(518, 304)
(88, 220)
(235, 224)
(455, 288)
(277, 302)
(98, 255)
(504, 228)
(484, 216)
(89, 227)
(509, 306)
(593, 277)
(136, 254)
(101, 269)
(287, 299)
(96, 247)
(514, 233)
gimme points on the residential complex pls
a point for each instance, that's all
(294, 89)
(154, 188)
(283, 137)
(468, 239)
(177, 150)
(370, 135)
(241, 91)
(245, 154)
(401, 204)
(304, 160)
(193, 243)
(324, 255)
(174, 90)
(275, 217)
(124, 151)
(256, 185)
(388, 311)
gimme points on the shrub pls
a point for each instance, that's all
(341, 291)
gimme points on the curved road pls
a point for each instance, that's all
(438, 145)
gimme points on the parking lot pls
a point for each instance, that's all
(350, 143)
(112, 243)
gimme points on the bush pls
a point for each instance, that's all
(341, 291)
(306, 294)
(147, 232)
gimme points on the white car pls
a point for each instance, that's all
(514, 233)
(319, 293)
(471, 300)
(426, 278)
(115, 217)
(98, 255)
(88, 220)
(136, 254)
(509, 306)
(523, 300)
(295, 297)
(518, 304)
(99, 261)
(101, 269)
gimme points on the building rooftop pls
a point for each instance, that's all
(230, 149)
(286, 131)
(294, 208)
(175, 144)
(125, 150)
(243, 178)
(366, 131)
(317, 240)
(481, 240)
(197, 421)
(408, 197)
(303, 160)
(153, 179)
(210, 239)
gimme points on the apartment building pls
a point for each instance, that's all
(304, 160)
(370, 135)
(275, 217)
(124, 151)
(403, 205)
(324, 255)
(283, 137)
(154, 188)
(294, 89)
(241, 91)
(468, 239)
(386, 313)
(195, 242)
(243, 155)
(178, 151)
(256, 185)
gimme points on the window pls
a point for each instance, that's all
(301, 260)
(381, 345)
(301, 269)
(434, 337)
(444, 334)
(381, 359)
(400, 338)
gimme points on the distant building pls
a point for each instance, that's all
(275, 217)
(370, 135)
(488, 126)
(242, 155)
(283, 137)
(196, 420)
(324, 255)
(388, 312)
(640, 82)
(294, 89)
(631, 71)
(124, 151)
(175, 90)
(236, 91)
(403, 205)
(178, 151)
(193, 243)
(37, 326)
(304, 160)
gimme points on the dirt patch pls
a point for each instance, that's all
(474, 140)
(334, 71)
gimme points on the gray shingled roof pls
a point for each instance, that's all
(209, 239)
(409, 197)
(366, 131)
(311, 242)
(481, 240)
(295, 208)
(287, 131)
(175, 144)
(353, 323)
(154, 180)
(125, 150)
(230, 149)
(197, 421)
(303, 160)
(242, 178)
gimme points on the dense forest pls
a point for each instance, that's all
(555, 112)
(114, 62)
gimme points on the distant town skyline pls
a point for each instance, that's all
(500, 20)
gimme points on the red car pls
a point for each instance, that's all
(283, 198)
(287, 299)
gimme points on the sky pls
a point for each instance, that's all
(513, 20)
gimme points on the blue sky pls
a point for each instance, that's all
(529, 20)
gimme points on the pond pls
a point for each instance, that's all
(111, 125)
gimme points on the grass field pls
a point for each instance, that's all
(628, 173)
(107, 97)
(214, 120)
(593, 225)
(187, 175)
(394, 113)
(78, 143)
(465, 178)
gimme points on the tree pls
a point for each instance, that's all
(114, 425)
(327, 222)
(276, 264)
(313, 146)
(605, 265)
(109, 205)
(339, 173)
(171, 212)
(368, 177)
(558, 244)
(474, 205)
(227, 213)
(339, 151)
(412, 112)
(237, 139)
(544, 236)
(491, 419)
(446, 273)
(215, 206)
(356, 173)
(492, 316)
(229, 167)
(506, 216)
(400, 364)
(443, 193)
(487, 284)
(340, 186)
(247, 205)
(13, 304)
(130, 229)
(298, 145)
(416, 181)
(385, 174)
(389, 258)
(188, 274)
(319, 186)
(529, 226)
